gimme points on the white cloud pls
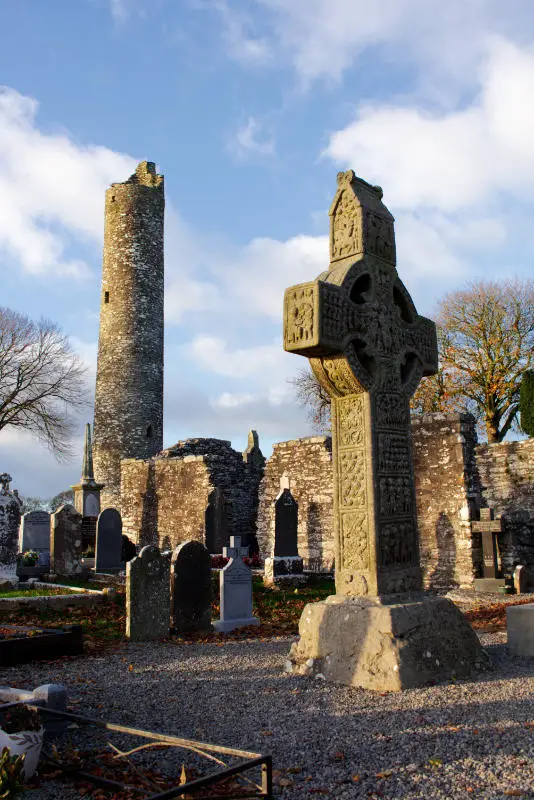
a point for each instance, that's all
(119, 10)
(450, 177)
(456, 160)
(212, 354)
(250, 139)
(241, 40)
(323, 38)
(50, 189)
(232, 400)
(258, 274)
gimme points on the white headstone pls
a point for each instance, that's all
(235, 590)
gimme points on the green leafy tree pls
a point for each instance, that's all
(526, 402)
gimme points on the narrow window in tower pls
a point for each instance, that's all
(106, 297)
(149, 432)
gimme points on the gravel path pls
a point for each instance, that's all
(469, 739)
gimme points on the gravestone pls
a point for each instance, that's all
(521, 579)
(285, 566)
(235, 582)
(369, 348)
(489, 528)
(190, 588)
(108, 541)
(147, 596)
(66, 541)
(10, 505)
(520, 630)
(35, 535)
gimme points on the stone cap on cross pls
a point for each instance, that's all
(235, 550)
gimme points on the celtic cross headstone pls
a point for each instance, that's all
(369, 348)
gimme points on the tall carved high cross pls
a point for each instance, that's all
(369, 349)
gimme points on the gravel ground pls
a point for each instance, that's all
(451, 741)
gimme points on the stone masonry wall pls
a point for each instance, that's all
(198, 489)
(447, 489)
(448, 493)
(507, 476)
(128, 419)
(308, 464)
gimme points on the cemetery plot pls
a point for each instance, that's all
(20, 644)
(251, 776)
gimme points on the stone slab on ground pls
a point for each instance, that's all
(31, 644)
(387, 645)
(488, 585)
(452, 741)
(520, 629)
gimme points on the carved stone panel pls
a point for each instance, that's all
(301, 324)
(346, 226)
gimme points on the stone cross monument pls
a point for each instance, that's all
(369, 348)
(87, 491)
(489, 529)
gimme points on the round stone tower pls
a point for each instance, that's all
(128, 419)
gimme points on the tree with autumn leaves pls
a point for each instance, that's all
(486, 342)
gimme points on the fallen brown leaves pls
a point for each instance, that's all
(492, 617)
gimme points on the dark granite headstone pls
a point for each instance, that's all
(190, 588)
(108, 541)
(66, 541)
(35, 535)
(147, 596)
(286, 517)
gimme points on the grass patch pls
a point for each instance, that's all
(41, 592)
(103, 625)
(78, 583)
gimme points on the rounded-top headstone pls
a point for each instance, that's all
(191, 588)
(147, 596)
(108, 541)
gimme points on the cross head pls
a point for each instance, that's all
(235, 550)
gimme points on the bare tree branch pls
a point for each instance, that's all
(42, 380)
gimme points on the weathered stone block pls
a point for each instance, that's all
(520, 629)
(284, 570)
(386, 645)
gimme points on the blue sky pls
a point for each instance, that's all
(249, 109)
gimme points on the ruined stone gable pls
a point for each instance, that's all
(199, 489)
(308, 464)
(507, 476)
(448, 495)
